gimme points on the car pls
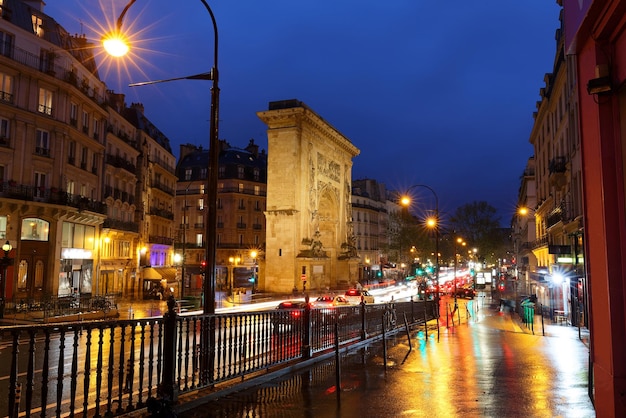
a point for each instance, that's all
(464, 292)
(330, 301)
(290, 314)
(355, 296)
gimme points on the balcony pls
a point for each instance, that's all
(557, 169)
(120, 225)
(44, 152)
(154, 239)
(241, 225)
(162, 213)
(55, 196)
(119, 162)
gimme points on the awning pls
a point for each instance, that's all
(160, 273)
(150, 274)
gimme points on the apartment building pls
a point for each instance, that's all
(551, 192)
(87, 184)
(240, 229)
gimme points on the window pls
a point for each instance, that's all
(203, 172)
(40, 184)
(37, 25)
(124, 249)
(96, 128)
(240, 188)
(94, 163)
(83, 158)
(3, 227)
(74, 114)
(78, 236)
(6, 88)
(240, 172)
(199, 240)
(34, 229)
(4, 132)
(222, 171)
(22, 275)
(85, 122)
(42, 146)
(45, 101)
(256, 174)
(6, 43)
(257, 190)
(71, 152)
(188, 172)
(70, 187)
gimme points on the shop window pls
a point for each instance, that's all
(34, 229)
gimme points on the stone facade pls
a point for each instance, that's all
(310, 241)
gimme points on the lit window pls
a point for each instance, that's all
(37, 25)
(45, 101)
(6, 88)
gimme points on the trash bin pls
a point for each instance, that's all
(528, 313)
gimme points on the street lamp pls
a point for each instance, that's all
(460, 242)
(6, 261)
(234, 261)
(179, 262)
(253, 255)
(116, 44)
(431, 222)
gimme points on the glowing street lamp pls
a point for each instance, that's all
(433, 223)
(117, 45)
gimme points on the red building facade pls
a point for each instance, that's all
(596, 34)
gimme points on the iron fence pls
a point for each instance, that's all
(109, 368)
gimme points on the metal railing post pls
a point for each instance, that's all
(307, 351)
(168, 390)
(363, 321)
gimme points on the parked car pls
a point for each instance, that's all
(354, 296)
(290, 314)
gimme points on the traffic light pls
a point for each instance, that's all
(379, 273)
(203, 267)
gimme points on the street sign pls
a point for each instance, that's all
(303, 277)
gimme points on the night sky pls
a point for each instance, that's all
(431, 92)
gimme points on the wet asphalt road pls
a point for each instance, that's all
(488, 366)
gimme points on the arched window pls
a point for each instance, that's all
(35, 229)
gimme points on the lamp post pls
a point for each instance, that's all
(234, 262)
(116, 45)
(5, 262)
(253, 255)
(433, 223)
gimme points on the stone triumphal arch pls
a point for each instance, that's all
(310, 242)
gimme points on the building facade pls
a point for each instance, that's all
(87, 184)
(595, 36)
(240, 229)
(551, 192)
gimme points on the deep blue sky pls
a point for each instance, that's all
(431, 92)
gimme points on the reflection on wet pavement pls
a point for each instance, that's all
(486, 367)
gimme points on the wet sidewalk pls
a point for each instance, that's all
(490, 365)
